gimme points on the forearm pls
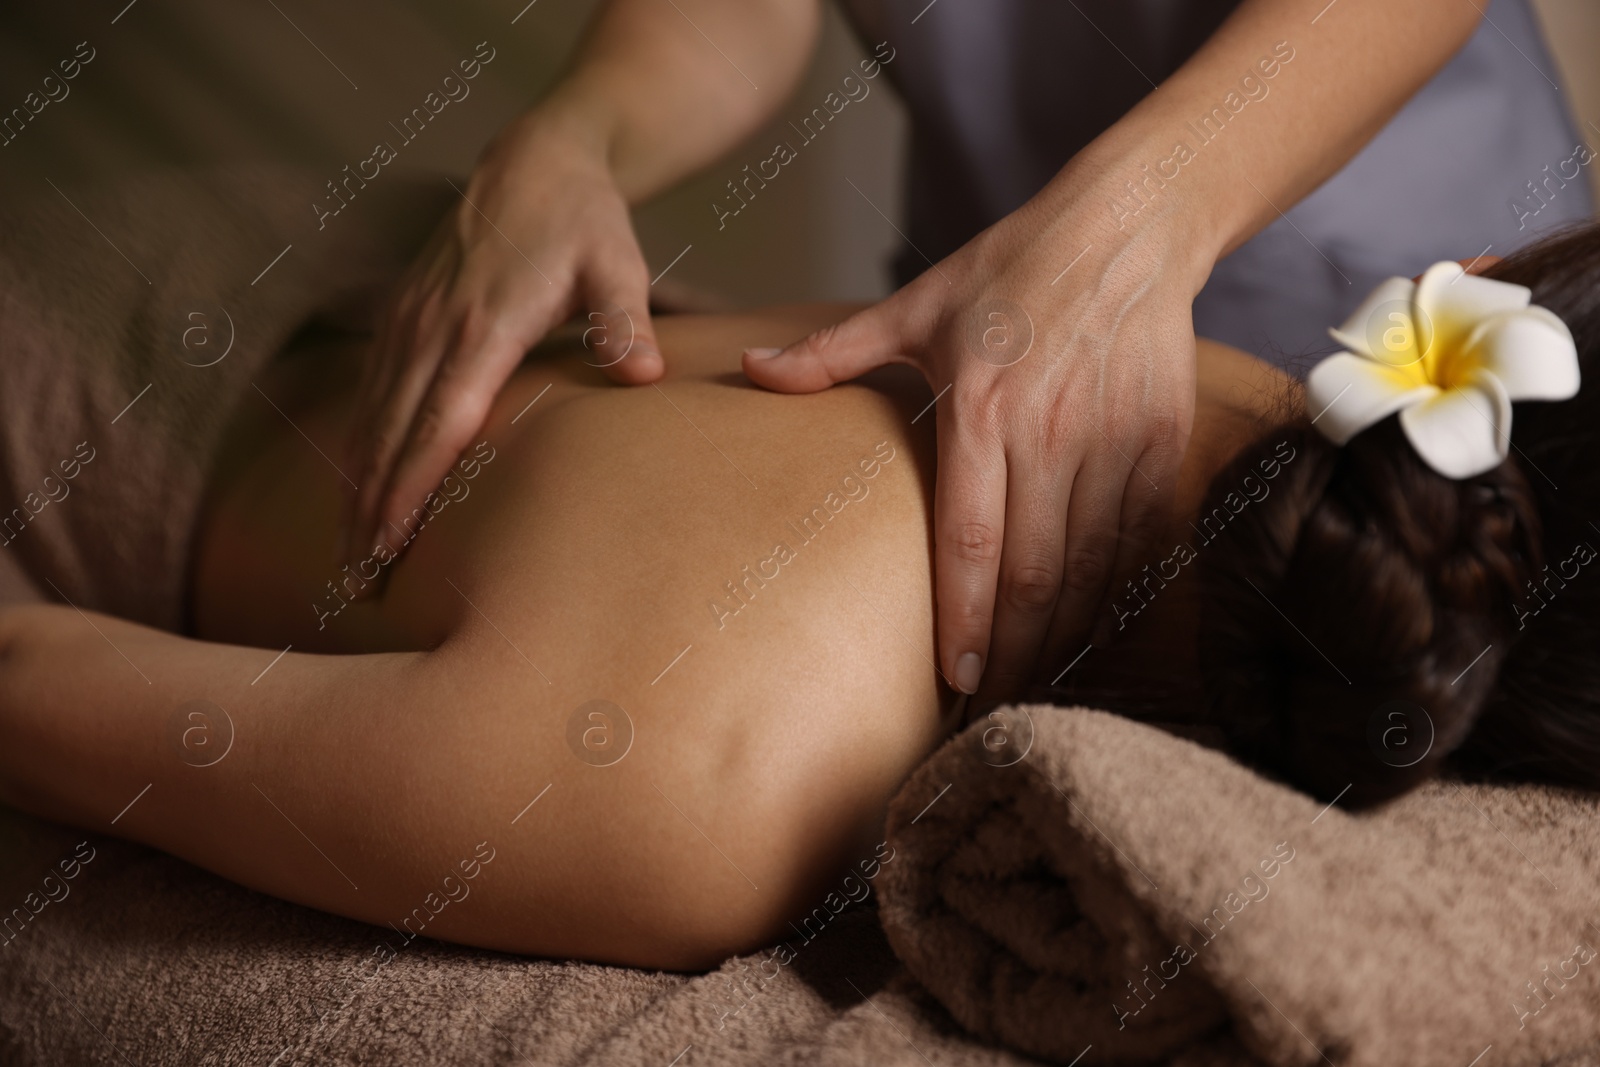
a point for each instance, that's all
(1278, 137)
(662, 88)
(287, 785)
(406, 790)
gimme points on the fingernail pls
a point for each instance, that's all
(969, 672)
(762, 353)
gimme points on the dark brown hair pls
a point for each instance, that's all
(1373, 622)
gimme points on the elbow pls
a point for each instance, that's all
(783, 869)
(691, 915)
(28, 631)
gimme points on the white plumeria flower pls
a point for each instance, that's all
(1449, 353)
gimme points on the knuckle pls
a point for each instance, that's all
(966, 624)
(411, 338)
(1059, 433)
(820, 341)
(974, 542)
(382, 445)
(982, 413)
(1087, 569)
(411, 297)
(1031, 588)
(454, 411)
(1145, 525)
(462, 385)
(1165, 433)
(1163, 424)
(431, 424)
(476, 324)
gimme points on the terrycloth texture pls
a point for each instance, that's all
(112, 299)
(148, 960)
(1123, 888)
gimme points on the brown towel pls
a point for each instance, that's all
(140, 958)
(116, 301)
(1121, 891)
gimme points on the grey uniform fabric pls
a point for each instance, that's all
(1003, 92)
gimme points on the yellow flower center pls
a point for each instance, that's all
(1450, 360)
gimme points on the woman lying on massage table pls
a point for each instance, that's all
(656, 657)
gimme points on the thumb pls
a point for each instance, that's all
(618, 332)
(833, 354)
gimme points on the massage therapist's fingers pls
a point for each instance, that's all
(833, 354)
(393, 331)
(409, 346)
(431, 337)
(619, 335)
(969, 514)
(1146, 508)
(412, 335)
(387, 445)
(485, 349)
(354, 459)
(507, 262)
(1030, 573)
(490, 337)
(395, 339)
(1088, 555)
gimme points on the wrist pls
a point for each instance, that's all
(587, 115)
(1149, 179)
(1112, 203)
(569, 125)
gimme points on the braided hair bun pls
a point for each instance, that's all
(1352, 633)
(1373, 621)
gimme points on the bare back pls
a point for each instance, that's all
(737, 583)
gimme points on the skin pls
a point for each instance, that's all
(1054, 473)
(424, 728)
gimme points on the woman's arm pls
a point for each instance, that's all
(427, 793)
(273, 780)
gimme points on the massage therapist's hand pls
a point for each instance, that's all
(542, 233)
(1069, 404)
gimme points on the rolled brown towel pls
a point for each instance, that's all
(1075, 884)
